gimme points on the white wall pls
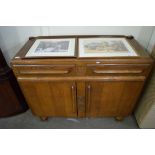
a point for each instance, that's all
(13, 38)
(141, 33)
(152, 42)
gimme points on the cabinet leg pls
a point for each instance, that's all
(119, 118)
(44, 118)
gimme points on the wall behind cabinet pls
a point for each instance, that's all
(12, 38)
(152, 42)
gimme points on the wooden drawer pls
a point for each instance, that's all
(117, 69)
(52, 70)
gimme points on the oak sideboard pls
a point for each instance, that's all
(82, 87)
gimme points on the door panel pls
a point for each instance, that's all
(50, 98)
(111, 98)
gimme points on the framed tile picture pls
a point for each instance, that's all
(108, 47)
(64, 47)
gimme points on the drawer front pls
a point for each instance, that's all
(117, 69)
(52, 70)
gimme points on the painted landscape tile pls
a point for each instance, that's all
(100, 47)
(52, 47)
(104, 46)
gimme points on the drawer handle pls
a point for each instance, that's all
(74, 97)
(45, 72)
(88, 97)
(117, 71)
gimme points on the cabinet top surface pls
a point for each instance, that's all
(80, 48)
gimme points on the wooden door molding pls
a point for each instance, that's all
(111, 98)
(51, 98)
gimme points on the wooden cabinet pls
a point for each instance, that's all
(82, 87)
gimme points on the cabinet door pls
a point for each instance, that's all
(111, 98)
(50, 98)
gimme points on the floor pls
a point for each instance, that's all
(28, 121)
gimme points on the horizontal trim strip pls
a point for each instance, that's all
(85, 78)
